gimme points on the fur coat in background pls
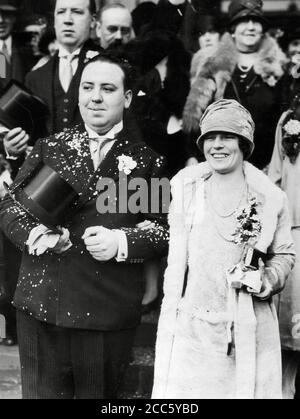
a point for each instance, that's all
(216, 77)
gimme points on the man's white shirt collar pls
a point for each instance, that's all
(110, 134)
(62, 52)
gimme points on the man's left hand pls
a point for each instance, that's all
(101, 243)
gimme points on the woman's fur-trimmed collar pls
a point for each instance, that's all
(258, 182)
(216, 70)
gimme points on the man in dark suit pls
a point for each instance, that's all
(18, 59)
(57, 82)
(78, 306)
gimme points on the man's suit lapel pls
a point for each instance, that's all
(75, 147)
(46, 92)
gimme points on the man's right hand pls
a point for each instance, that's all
(16, 142)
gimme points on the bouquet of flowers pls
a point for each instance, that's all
(291, 139)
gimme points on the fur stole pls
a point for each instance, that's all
(216, 71)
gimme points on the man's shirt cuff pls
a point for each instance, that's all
(123, 246)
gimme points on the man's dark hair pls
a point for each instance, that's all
(93, 8)
(117, 59)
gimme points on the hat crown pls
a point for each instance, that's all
(208, 23)
(244, 8)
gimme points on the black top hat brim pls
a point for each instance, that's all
(34, 211)
(20, 108)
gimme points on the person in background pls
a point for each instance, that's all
(284, 171)
(4, 177)
(2, 278)
(247, 67)
(34, 29)
(48, 47)
(208, 38)
(73, 20)
(18, 57)
(18, 61)
(291, 45)
(230, 251)
(169, 15)
(157, 107)
(114, 25)
(142, 16)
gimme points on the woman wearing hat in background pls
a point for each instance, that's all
(208, 38)
(218, 332)
(285, 172)
(246, 67)
(291, 45)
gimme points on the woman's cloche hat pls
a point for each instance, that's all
(228, 116)
(244, 9)
(45, 196)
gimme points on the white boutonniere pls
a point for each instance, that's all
(90, 54)
(126, 164)
(141, 93)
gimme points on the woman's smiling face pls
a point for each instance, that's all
(222, 152)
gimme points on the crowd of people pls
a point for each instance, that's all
(170, 91)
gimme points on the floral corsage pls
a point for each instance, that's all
(248, 223)
(247, 233)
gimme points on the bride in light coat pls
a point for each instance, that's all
(284, 171)
(230, 251)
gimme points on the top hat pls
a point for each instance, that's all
(244, 9)
(20, 108)
(45, 196)
(9, 5)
